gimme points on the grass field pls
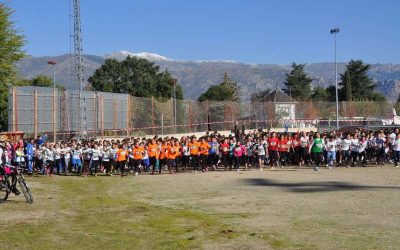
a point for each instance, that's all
(292, 209)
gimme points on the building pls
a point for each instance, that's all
(285, 106)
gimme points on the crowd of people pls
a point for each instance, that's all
(256, 149)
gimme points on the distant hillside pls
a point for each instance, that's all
(196, 76)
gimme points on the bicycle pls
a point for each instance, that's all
(7, 186)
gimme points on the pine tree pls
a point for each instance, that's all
(356, 85)
(297, 83)
(227, 90)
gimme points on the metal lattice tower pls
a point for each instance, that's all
(78, 69)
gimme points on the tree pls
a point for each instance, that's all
(319, 94)
(11, 43)
(227, 90)
(260, 96)
(331, 94)
(134, 76)
(356, 85)
(39, 81)
(298, 84)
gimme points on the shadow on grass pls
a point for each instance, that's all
(313, 187)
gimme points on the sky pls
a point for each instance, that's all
(250, 31)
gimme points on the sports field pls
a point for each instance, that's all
(284, 209)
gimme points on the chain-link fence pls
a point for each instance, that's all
(35, 111)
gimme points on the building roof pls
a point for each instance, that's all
(278, 96)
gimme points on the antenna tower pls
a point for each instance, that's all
(78, 69)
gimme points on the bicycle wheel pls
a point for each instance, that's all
(4, 190)
(25, 189)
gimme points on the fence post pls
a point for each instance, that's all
(206, 123)
(95, 108)
(128, 113)
(225, 116)
(35, 114)
(102, 115)
(190, 117)
(162, 124)
(172, 117)
(54, 116)
(68, 112)
(115, 117)
(152, 115)
(15, 110)
(249, 118)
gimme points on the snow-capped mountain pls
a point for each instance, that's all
(196, 76)
(121, 55)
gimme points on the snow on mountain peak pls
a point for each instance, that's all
(121, 55)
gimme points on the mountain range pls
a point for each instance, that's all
(196, 76)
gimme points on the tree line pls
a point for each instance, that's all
(353, 85)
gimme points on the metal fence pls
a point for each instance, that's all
(36, 110)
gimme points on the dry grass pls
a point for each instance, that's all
(301, 209)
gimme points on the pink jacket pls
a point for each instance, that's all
(239, 151)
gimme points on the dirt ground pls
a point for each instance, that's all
(356, 208)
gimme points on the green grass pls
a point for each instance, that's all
(82, 214)
(199, 212)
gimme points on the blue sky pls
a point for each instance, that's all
(252, 31)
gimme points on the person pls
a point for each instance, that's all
(354, 149)
(204, 148)
(331, 151)
(153, 153)
(122, 155)
(86, 159)
(295, 148)
(29, 149)
(163, 160)
(194, 153)
(283, 150)
(95, 159)
(261, 152)
(380, 149)
(20, 156)
(50, 158)
(317, 148)
(136, 157)
(105, 157)
(113, 157)
(213, 153)
(146, 159)
(249, 154)
(345, 148)
(185, 155)
(172, 152)
(273, 150)
(57, 158)
(362, 146)
(239, 151)
(304, 145)
(66, 153)
(224, 149)
(76, 159)
(396, 150)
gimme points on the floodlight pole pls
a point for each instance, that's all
(334, 31)
(53, 63)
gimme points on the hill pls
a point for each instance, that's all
(196, 76)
